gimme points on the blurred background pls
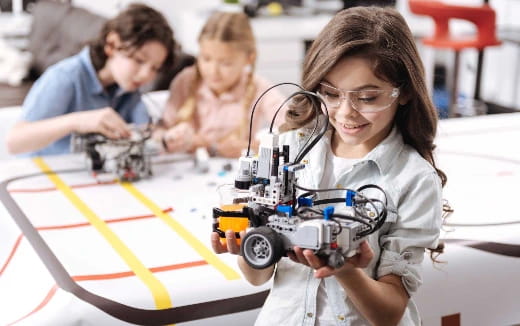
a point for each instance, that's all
(284, 30)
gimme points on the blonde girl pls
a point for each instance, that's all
(210, 102)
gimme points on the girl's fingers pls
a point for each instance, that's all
(298, 254)
(217, 246)
(232, 245)
(292, 257)
(365, 254)
(323, 272)
(312, 260)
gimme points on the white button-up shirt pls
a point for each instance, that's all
(413, 223)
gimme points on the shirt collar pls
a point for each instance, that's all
(385, 154)
(92, 78)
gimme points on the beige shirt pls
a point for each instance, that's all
(217, 116)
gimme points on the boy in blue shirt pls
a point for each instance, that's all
(96, 90)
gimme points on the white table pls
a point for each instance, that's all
(479, 283)
(100, 236)
(112, 253)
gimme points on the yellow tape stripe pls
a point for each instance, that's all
(159, 292)
(195, 243)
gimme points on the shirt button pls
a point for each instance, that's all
(309, 314)
(341, 317)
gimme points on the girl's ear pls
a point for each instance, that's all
(404, 98)
(112, 43)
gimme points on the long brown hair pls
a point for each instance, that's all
(382, 36)
(135, 26)
(233, 28)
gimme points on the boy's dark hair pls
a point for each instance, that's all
(135, 26)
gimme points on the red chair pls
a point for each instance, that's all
(482, 16)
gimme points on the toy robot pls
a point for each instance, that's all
(279, 219)
(126, 158)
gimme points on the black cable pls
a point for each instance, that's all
(316, 124)
(319, 214)
(302, 92)
(380, 216)
(352, 218)
(306, 146)
(304, 150)
(305, 194)
(380, 221)
(375, 187)
(254, 108)
(314, 97)
(339, 200)
(371, 202)
(340, 227)
(305, 209)
(312, 191)
(329, 201)
(313, 132)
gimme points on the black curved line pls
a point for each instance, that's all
(116, 309)
(504, 249)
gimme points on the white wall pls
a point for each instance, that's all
(280, 41)
(280, 58)
(169, 8)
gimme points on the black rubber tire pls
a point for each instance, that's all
(336, 260)
(262, 247)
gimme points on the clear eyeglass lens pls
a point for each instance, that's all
(372, 100)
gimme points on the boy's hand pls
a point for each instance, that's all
(322, 270)
(230, 246)
(105, 121)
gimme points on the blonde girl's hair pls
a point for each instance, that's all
(233, 28)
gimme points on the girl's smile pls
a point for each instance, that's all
(357, 133)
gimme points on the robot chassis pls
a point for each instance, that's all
(279, 220)
(126, 158)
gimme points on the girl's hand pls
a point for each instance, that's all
(322, 270)
(105, 121)
(230, 246)
(179, 138)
